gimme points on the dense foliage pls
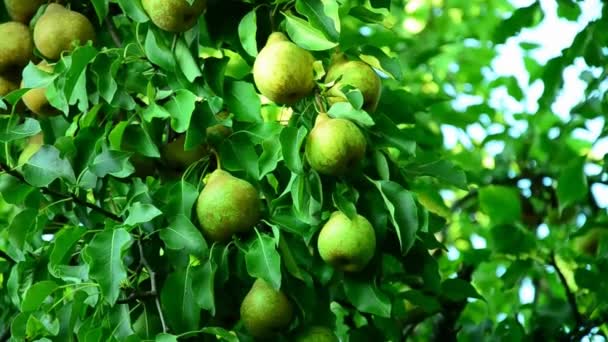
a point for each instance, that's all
(100, 224)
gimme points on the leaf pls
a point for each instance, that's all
(182, 234)
(323, 15)
(459, 290)
(187, 63)
(522, 17)
(306, 36)
(158, 52)
(101, 8)
(181, 106)
(109, 162)
(63, 245)
(182, 197)
(45, 166)
(178, 302)
(203, 285)
(441, 169)
(367, 298)
(104, 256)
(501, 203)
(572, 184)
(163, 337)
(378, 59)
(291, 139)
(247, 33)
(263, 260)
(141, 213)
(402, 209)
(134, 10)
(28, 128)
(345, 110)
(36, 294)
(242, 100)
(512, 239)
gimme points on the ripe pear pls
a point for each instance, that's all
(177, 157)
(174, 15)
(283, 71)
(265, 311)
(356, 74)
(16, 47)
(35, 99)
(58, 28)
(22, 10)
(347, 244)
(33, 145)
(317, 333)
(334, 146)
(226, 206)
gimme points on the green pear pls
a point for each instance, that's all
(58, 28)
(174, 15)
(177, 157)
(16, 47)
(334, 146)
(33, 145)
(35, 99)
(22, 10)
(347, 244)
(356, 74)
(283, 71)
(227, 205)
(317, 333)
(218, 132)
(265, 311)
(7, 85)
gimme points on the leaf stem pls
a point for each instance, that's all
(569, 295)
(153, 289)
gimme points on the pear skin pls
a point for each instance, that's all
(317, 333)
(177, 157)
(33, 145)
(16, 46)
(226, 206)
(346, 244)
(58, 28)
(174, 15)
(22, 10)
(356, 74)
(218, 132)
(334, 146)
(7, 85)
(283, 71)
(265, 311)
(35, 99)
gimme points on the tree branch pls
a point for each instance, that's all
(112, 31)
(152, 274)
(569, 295)
(136, 296)
(60, 196)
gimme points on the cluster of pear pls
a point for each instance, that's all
(55, 31)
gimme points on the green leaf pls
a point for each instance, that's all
(345, 110)
(523, 17)
(366, 15)
(101, 8)
(134, 10)
(242, 100)
(291, 139)
(63, 245)
(158, 51)
(186, 61)
(178, 302)
(263, 260)
(36, 294)
(459, 290)
(28, 128)
(501, 203)
(110, 162)
(247, 33)
(512, 239)
(378, 59)
(441, 169)
(572, 184)
(45, 166)
(104, 256)
(203, 285)
(367, 298)
(402, 209)
(180, 107)
(182, 196)
(163, 337)
(141, 213)
(306, 36)
(323, 15)
(182, 234)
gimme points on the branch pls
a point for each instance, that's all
(136, 296)
(152, 274)
(113, 32)
(59, 196)
(571, 298)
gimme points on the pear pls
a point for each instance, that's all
(58, 28)
(177, 157)
(33, 145)
(7, 85)
(265, 311)
(35, 99)
(226, 206)
(218, 132)
(283, 71)
(347, 244)
(317, 333)
(22, 10)
(16, 47)
(334, 146)
(174, 15)
(358, 75)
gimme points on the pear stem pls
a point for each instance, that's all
(320, 103)
(217, 159)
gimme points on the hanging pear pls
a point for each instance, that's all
(358, 75)
(265, 310)
(227, 205)
(58, 28)
(22, 10)
(35, 99)
(334, 146)
(283, 71)
(174, 15)
(16, 46)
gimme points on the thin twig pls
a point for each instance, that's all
(152, 274)
(569, 295)
(137, 295)
(113, 32)
(60, 196)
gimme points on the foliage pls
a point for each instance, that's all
(98, 235)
